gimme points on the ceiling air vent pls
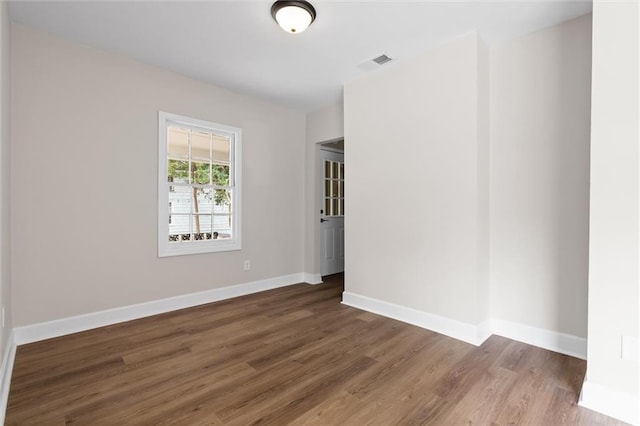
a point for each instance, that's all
(382, 59)
(375, 63)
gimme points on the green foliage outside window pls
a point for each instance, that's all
(201, 173)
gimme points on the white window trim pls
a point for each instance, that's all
(195, 247)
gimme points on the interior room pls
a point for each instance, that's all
(326, 212)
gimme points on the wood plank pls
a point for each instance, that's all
(152, 400)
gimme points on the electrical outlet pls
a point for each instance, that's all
(247, 265)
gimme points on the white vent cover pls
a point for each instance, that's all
(373, 64)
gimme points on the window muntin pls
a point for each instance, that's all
(333, 188)
(199, 191)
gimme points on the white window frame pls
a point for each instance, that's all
(165, 248)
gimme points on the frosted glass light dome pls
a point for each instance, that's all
(293, 16)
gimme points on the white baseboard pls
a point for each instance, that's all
(547, 339)
(5, 374)
(484, 331)
(552, 340)
(447, 326)
(313, 279)
(61, 327)
(610, 402)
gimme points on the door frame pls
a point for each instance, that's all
(318, 181)
(332, 154)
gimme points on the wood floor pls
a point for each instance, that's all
(289, 356)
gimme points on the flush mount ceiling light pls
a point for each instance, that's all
(293, 16)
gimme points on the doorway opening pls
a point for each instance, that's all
(332, 208)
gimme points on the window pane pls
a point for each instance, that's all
(179, 225)
(221, 147)
(205, 201)
(341, 170)
(178, 142)
(341, 189)
(222, 201)
(327, 169)
(200, 224)
(334, 188)
(200, 146)
(334, 169)
(327, 188)
(201, 172)
(196, 224)
(180, 199)
(222, 227)
(178, 171)
(327, 207)
(341, 207)
(220, 175)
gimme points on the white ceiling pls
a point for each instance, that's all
(236, 44)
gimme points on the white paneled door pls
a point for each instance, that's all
(332, 213)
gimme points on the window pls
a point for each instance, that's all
(198, 186)
(333, 188)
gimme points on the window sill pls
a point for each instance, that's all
(198, 247)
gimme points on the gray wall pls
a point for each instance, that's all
(5, 172)
(488, 184)
(85, 146)
(325, 124)
(612, 378)
(412, 183)
(540, 127)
